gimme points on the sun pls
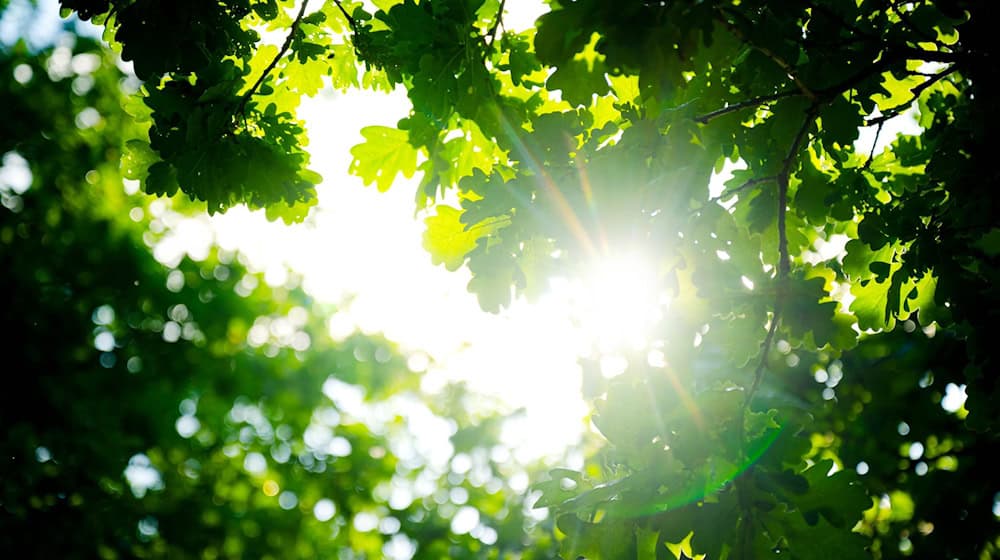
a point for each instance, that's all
(617, 302)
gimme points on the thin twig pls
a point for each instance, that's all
(885, 61)
(745, 185)
(916, 91)
(871, 155)
(790, 71)
(497, 23)
(281, 53)
(784, 263)
(947, 57)
(347, 16)
(755, 102)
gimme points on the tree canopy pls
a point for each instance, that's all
(831, 302)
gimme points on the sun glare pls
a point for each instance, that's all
(617, 303)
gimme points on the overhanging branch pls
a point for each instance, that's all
(749, 103)
(916, 91)
(347, 16)
(497, 23)
(281, 53)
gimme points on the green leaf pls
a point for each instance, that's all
(820, 541)
(385, 153)
(840, 497)
(448, 240)
(877, 304)
(841, 119)
(306, 77)
(809, 309)
(813, 193)
(494, 273)
(609, 539)
(561, 34)
(579, 82)
(522, 60)
(290, 213)
(860, 257)
(923, 300)
(162, 179)
(137, 157)
(990, 243)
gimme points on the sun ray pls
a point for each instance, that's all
(550, 188)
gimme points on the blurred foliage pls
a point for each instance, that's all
(195, 411)
(798, 399)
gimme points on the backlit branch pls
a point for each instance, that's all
(784, 260)
(746, 533)
(871, 155)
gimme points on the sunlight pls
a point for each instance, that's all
(617, 302)
(374, 269)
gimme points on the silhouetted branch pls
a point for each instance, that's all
(746, 184)
(267, 70)
(347, 16)
(916, 91)
(497, 23)
(755, 102)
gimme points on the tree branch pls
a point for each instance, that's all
(755, 102)
(281, 53)
(497, 23)
(784, 267)
(916, 91)
(746, 184)
(347, 16)
(946, 57)
(784, 260)
(871, 155)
